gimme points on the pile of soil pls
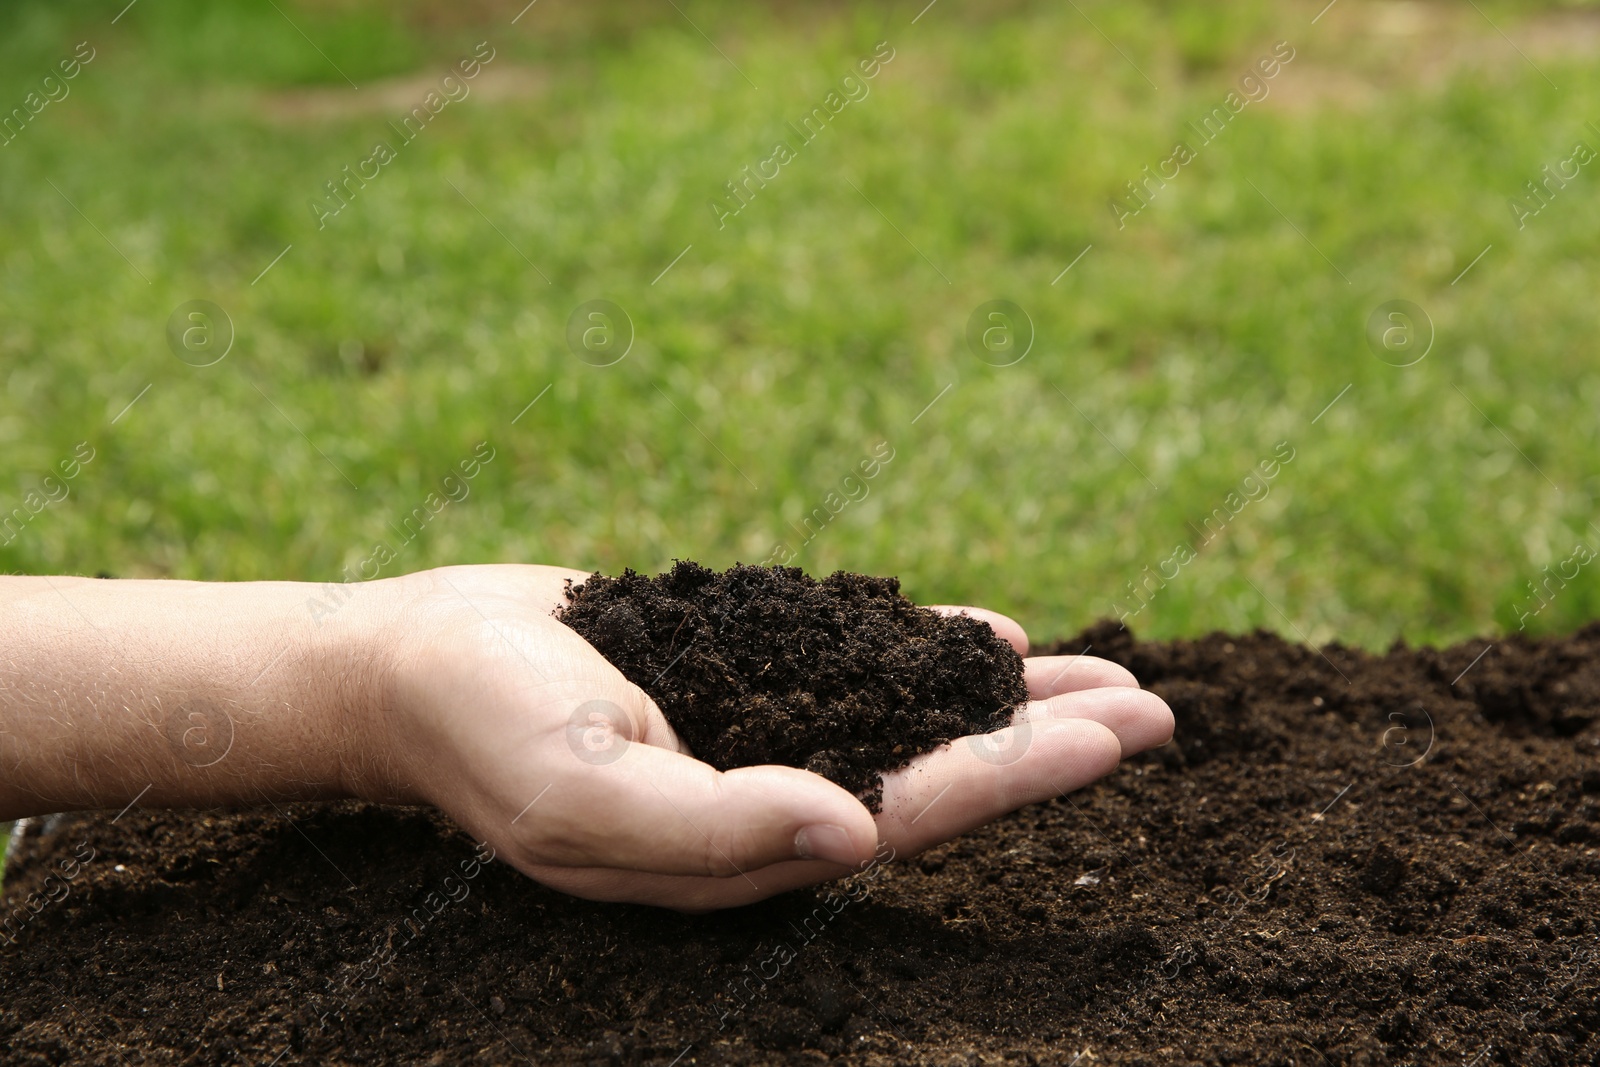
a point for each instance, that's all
(1342, 858)
(844, 676)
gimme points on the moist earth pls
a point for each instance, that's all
(842, 676)
(1342, 858)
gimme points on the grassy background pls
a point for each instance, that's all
(823, 319)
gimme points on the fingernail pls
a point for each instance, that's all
(825, 841)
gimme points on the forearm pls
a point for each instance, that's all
(191, 693)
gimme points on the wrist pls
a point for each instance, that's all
(355, 658)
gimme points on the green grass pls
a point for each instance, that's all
(780, 350)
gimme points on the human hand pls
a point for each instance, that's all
(500, 715)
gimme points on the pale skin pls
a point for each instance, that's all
(457, 687)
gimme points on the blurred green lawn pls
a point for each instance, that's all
(830, 312)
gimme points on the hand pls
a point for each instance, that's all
(499, 714)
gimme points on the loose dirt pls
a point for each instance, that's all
(842, 676)
(1342, 858)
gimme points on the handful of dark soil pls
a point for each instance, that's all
(842, 676)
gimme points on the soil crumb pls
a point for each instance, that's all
(842, 676)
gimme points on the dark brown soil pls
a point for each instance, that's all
(1310, 874)
(842, 676)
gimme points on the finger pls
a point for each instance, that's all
(1050, 675)
(939, 796)
(650, 809)
(1006, 627)
(1140, 719)
(975, 780)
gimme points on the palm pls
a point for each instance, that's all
(535, 743)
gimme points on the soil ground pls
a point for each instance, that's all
(1343, 858)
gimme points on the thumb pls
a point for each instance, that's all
(642, 807)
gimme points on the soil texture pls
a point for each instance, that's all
(842, 676)
(1343, 858)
